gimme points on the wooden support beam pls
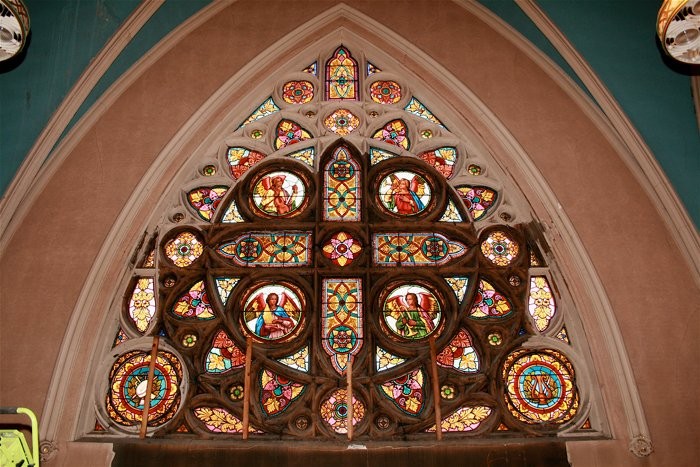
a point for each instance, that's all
(348, 374)
(149, 387)
(247, 386)
(436, 388)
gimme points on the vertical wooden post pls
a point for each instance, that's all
(246, 385)
(348, 373)
(436, 388)
(149, 387)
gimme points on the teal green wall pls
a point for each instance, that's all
(65, 37)
(657, 99)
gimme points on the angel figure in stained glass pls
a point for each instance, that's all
(404, 195)
(274, 198)
(414, 318)
(273, 320)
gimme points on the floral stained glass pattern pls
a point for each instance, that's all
(128, 387)
(342, 76)
(223, 355)
(459, 285)
(142, 304)
(540, 386)
(273, 312)
(541, 304)
(275, 249)
(451, 213)
(194, 304)
(478, 199)
(385, 360)
(342, 317)
(307, 156)
(225, 285)
(406, 391)
(220, 420)
(312, 69)
(489, 303)
(184, 249)
(298, 92)
(277, 392)
(415, 107)
(232, 215)
(464, 419)
(341, 248)
(279, 194)
(443, 159)
(499, 248)
(205, 200)
(415, 249)
(460, 354)
(395, 132)
(334, 411)
(288, 133)
(241, 159)
(411, 312)
(385, 92)
(404, 193)
(298, 360)
(342, 122)
(342, 187)
(268, 107)
(378, 155)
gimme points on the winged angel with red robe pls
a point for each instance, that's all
(404, 196)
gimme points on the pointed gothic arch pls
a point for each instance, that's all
(581, 357)
(287, 153)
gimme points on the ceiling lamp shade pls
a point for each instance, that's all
(678, 27)
(14, 27)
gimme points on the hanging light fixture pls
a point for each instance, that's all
(678, 27)
(14, 27)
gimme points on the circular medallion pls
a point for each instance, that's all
(184, 249)
(342, 122)
(274, 312)
(499, 248)
(129, 384)
(279, 194)
(404, 193)
(385, 92)
(298, 92)
(411, 312)
(334, 411)
(540, 387)
(235, 392)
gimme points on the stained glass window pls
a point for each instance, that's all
(385, 92)
(345, 280)
(298, 92)
(342, 76)
(395, 132)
